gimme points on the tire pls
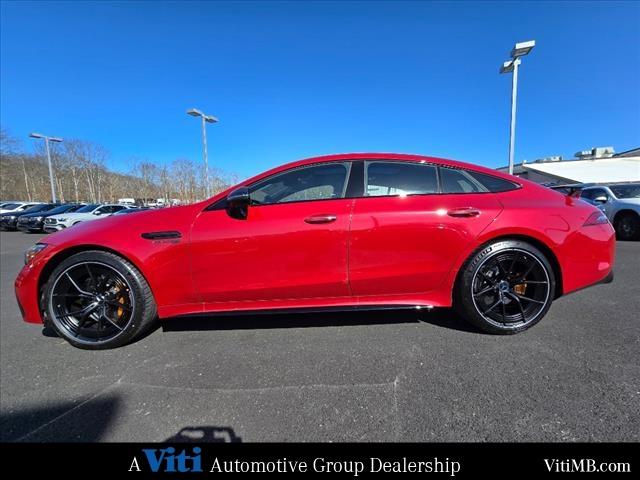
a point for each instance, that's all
(627, 226)
(513, 299)
(97, 300)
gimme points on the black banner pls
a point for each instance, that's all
(354, 460)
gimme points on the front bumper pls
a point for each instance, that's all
(7, 224)
(53, 227)
(29, 226)
(27, 288)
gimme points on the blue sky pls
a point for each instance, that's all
(295, 79)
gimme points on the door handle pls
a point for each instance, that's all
(325, 218)
(464, 212)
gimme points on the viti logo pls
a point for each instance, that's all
(166, 460)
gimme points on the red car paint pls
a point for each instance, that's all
(379, 251)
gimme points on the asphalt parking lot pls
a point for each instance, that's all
(383, 376)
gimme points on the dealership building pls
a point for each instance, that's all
(597, 165)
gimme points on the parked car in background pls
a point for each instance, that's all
(16, 207)
(352, 231)
(127, 201)
(620, 203)
(9, 220)
(34, 222)
(127, 211)
(93, 211)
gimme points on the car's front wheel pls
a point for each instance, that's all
(506, 287)
(98, 300)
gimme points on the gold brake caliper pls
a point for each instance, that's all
(119, 310)
(520, 288)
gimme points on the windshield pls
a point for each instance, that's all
(11, 206)
(37, 208)
(63, 208)
(88, 208)
(626, 191)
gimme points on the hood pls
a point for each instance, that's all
(36, 214)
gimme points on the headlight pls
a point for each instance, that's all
(62, 219)
(30, 254)
(11, 217)
(39, 219)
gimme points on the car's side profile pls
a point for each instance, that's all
(335, 232)
(621, 203)
(87, 213)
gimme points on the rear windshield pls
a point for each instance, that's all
(37, 208)
(63, 208)
(626, 191)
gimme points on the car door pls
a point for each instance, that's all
(411, 224)
(292, 245)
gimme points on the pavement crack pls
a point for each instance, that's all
(67, 412)
(260, 389)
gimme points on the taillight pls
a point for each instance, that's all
(596, 218)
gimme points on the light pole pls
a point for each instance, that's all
(205, 119)
(46, 143)
(511, 66)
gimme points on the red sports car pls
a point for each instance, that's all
(335, 232)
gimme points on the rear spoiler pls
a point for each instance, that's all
(571, 190)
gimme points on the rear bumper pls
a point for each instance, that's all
(587, 257)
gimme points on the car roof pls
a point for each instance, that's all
(383, 156)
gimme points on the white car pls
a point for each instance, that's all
(16, 207)
(87, 213)
(621, 204)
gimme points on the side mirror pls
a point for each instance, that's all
(238, 203)
(600, 199)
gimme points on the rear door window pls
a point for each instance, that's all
(399, 179)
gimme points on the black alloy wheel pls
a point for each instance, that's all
(98, 300)
(92, 301)
(507, 287)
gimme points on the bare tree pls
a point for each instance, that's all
(81, 174)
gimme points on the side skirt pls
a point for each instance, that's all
(301, 310)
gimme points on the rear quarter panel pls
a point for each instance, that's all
(585, 255)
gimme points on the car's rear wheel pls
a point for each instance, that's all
(506, 287)
(98, 300)
(627, 226)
